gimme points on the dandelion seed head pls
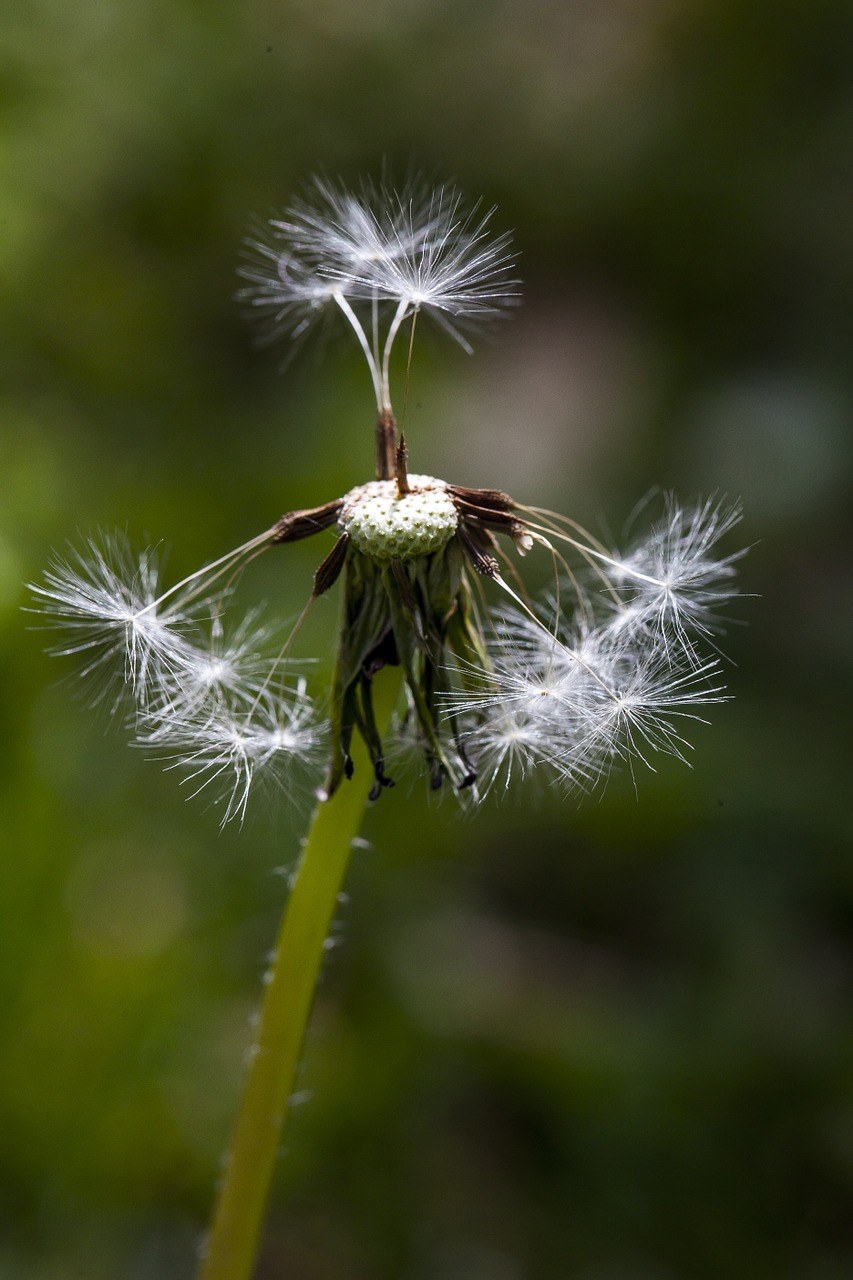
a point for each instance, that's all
(606, 671)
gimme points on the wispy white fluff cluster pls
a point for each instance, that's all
(103, 600)
(614, 679)
(672, 581)
(217, 707)
(416, 249)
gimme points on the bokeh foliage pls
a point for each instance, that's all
(609, 1040)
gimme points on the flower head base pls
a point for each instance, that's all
(389, 525)
(609, 670)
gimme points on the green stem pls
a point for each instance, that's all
(286, 1006)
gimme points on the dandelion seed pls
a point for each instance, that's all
(647, 711)
(674, 581)
(292, 296)
(447, 262)
(339, 231)
(211, 670)
(360, 251)
(226, 753)
(105, 602)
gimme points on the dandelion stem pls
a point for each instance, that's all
(286, 1006)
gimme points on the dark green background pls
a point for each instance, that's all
(609, 1040)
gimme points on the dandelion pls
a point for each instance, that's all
(598, 673)
(607, 671)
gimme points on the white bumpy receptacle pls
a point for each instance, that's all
(387, 525)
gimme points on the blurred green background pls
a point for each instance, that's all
(609, 1040)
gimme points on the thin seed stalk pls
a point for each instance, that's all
(234, 1236)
